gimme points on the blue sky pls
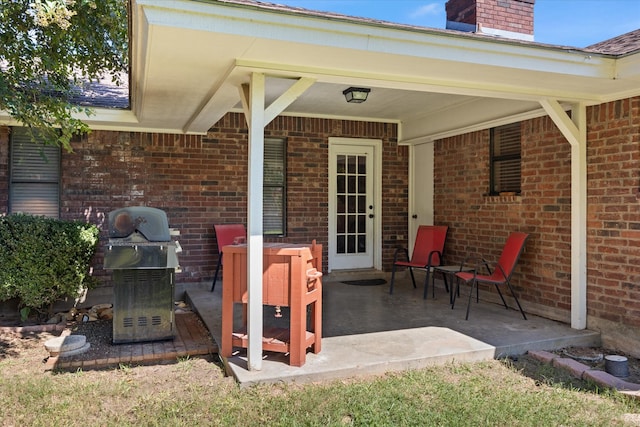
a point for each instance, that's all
(577, 23)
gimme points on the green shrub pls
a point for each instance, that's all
(43, 260)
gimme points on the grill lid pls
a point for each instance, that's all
(152, 223)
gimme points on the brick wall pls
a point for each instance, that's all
(307, 174)
(613, 243)
(507, 15)
(481, 223)
(200, 181)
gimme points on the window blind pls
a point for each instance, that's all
(34, 186)
(505, 159)
(274, 187)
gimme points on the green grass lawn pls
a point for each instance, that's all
(195, 392)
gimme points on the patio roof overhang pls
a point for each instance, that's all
(432, 83)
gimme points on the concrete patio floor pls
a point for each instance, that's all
(367, 331)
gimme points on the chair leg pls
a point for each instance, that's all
(426, 284)
(474, 283)
(516, 298)
(477, 292)
(501, 297)
(413, 279)
(393, 276)
(453, 298)
(444, 279)
(215, 277)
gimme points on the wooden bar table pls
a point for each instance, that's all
(291, 278)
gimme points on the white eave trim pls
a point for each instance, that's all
(445, 45)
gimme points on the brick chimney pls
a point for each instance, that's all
(503, 18)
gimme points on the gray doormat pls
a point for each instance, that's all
(365, 282)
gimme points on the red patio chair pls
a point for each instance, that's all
(502, 271)
(427, 253)
(226, 234)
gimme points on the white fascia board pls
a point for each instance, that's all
(140, 57)
(125, 120)
(107, 115)
(360, 36)
(100, 119)
(121, 127)
(628, 67)
(7, 119)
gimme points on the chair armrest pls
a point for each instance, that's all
(430, 259)
(395, 254)
(477, 261)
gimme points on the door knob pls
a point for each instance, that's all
(414, 216)
(370, 215)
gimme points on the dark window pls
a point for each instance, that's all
(505, 159)
(274, 199)
(34, 185)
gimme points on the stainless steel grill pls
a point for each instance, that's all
(144, 261)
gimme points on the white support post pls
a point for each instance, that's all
(579, 221)
(575, 130)
(257, 117)
(254, 222)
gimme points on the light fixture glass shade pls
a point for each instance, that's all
(356, 94)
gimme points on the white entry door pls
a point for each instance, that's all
(354, 204)
(420, 189)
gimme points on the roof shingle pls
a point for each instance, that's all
(621, 45)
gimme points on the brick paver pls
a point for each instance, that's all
(191, 339)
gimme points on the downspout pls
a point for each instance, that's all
(574, 129)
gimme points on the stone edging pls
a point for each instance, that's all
(584, 372)
(48, 327)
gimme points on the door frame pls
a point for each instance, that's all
(376, 162)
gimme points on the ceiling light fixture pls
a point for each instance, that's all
(356, 94)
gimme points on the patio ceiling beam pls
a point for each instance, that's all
(574, 129)
(417, 82)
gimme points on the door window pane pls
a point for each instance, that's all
(351, 203)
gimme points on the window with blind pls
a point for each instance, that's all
(505, 159)
(34, 184)
(274, 187)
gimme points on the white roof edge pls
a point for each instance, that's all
(341, 23)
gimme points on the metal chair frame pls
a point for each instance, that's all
(226, 234)
(427, 253)
(501, 274)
